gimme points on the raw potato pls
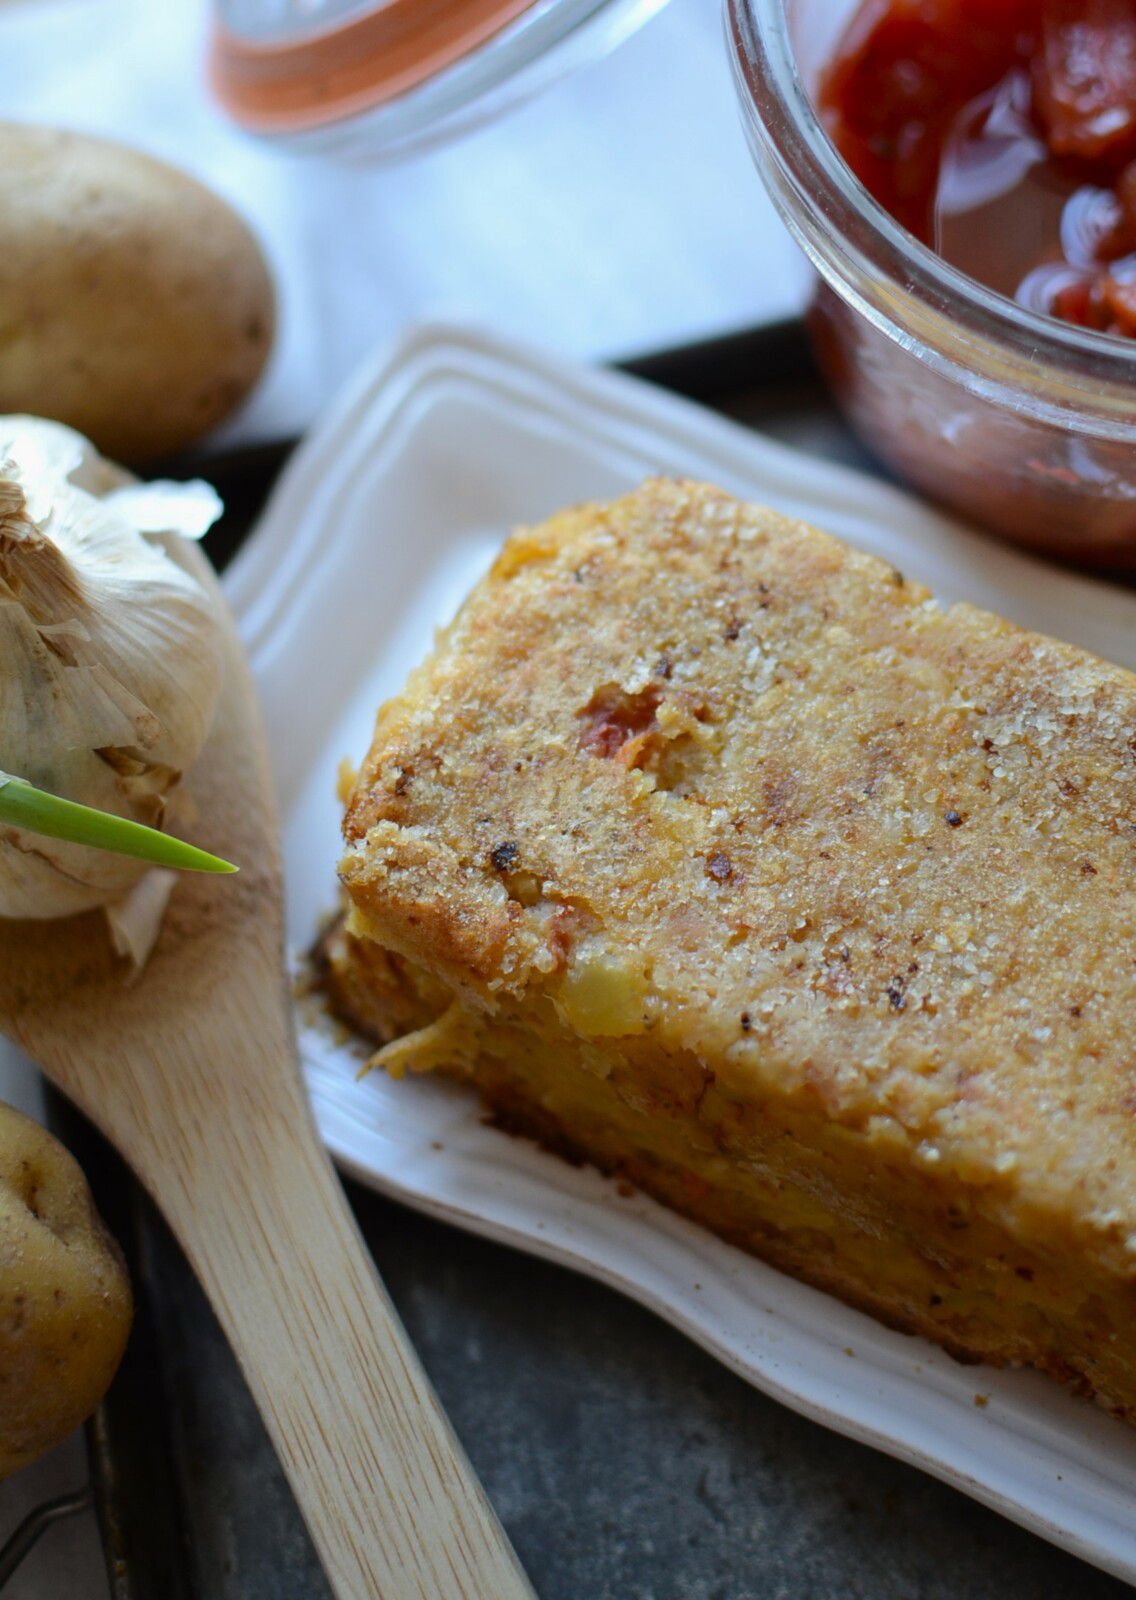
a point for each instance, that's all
(134, 304)
(65, 1304)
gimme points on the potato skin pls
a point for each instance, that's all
(65, 1302)
(134, 304)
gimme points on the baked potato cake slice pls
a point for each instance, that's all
(721, 854)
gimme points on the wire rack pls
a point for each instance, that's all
(23, 1540)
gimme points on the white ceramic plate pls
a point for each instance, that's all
(385, 517)
(376, 531)
(378, 527)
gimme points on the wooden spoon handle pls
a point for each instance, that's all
(389, 1498)
(192, 1072)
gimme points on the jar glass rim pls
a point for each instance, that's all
(768, 76)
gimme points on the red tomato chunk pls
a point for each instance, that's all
(1003, 134)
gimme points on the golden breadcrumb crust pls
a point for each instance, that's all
(723, 852)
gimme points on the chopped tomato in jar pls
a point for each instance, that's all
(1084, 78)
(1003, 134)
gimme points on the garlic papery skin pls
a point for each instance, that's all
(110, 658)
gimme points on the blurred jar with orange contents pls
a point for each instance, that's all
(380, 80)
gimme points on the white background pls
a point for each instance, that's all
(618, 212)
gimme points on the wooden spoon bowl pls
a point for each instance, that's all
(191, 1071)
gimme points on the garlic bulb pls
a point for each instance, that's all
(110, 664)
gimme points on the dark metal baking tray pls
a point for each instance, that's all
(624, 1462)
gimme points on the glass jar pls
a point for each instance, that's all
(1019, 421)
(382, 79)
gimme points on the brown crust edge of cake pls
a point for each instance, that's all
(513, 1113)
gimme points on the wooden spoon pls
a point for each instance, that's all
(192, 1072)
